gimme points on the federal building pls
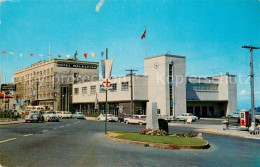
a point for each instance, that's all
(49, 83)
(164, 82)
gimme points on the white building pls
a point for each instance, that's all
(85, 95)
(165, 82)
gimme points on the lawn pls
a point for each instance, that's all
(187, 141)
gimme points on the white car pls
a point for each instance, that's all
(186, 116)
(64, 114)
(110, 117)
(51, 116)
(136, 119)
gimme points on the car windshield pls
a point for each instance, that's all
(190, 114)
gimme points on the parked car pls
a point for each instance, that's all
(122, 118)
(64, 114)
(166, 117)
(234, 114)
(78, 115)
(51, 116)
(35, 115)
(110, 117)
(136, 119)
(185, 116)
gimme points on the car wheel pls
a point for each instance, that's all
(126, 122)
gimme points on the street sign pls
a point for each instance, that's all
(106, 83)
(8, 87)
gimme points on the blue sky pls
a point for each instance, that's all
(209, 33)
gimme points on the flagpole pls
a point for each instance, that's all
(106, 98)
(145, 49)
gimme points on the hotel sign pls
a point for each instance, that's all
(70, 65)
(6, 87)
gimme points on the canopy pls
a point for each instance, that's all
(6, 96)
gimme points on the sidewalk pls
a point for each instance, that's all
(12, 122)
(218, 129)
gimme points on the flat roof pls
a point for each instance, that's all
(166, 55)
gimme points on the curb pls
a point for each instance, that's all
(161, 146)
(219, 133)
(10, 123)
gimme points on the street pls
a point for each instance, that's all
(82, 143)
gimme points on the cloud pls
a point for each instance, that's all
(99, 5)
(243, 92)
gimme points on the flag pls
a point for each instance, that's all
(41, 55)
(11, 53)
(144, 33)
(85, 55)
(92, 54)
(103, 68)
(102, 53)
(59, 55)
(31, 55)
(68, 56)
(3, 51)
(106, 67)
(96, 103)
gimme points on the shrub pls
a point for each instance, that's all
(191, 134)
(181, 134)
(151, 132)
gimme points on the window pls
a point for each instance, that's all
(113, 87)
(92, 90)
(84, 90)
(76, 91)
(124, 86)
(76, 77)
(102, 88)
(203, 87)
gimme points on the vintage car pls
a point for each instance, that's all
(185, 116)
(78, 115)
(122, 118)
(110, 117)
(166, 117)
(64, 114)
(35, 116)
(136, 119)
(234, 114)
(51, 116)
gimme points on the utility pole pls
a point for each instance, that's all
(251, 48)
(132, 103)
(106, 97)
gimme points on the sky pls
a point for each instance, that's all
(209, 33)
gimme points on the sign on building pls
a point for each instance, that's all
(8, 87)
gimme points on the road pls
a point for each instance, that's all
(82, 143)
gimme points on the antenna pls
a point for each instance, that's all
(49, 50)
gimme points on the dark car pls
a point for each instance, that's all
(122, 118)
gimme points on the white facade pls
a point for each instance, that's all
(212, 96)
(119, 96)
(167, 88)
(165, 83)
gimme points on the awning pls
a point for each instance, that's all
(6, 96)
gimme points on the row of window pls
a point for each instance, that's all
(206, 87)
(113, 87)
(33, 74)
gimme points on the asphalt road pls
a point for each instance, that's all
(82, 143)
